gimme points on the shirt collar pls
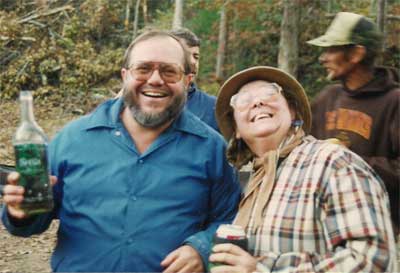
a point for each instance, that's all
(192, 88)
(189, 123)
(108, 115)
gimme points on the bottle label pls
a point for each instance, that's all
(31, 163)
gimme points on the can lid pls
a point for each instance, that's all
(230, 232)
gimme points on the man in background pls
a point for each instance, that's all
(199, 103)
(362, 110)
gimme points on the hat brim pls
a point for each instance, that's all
(327, 41)
(266, 73)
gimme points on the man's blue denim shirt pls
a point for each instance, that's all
(124, 211)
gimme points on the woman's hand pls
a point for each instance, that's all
(233, 258)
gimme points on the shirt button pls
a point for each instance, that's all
(117, 133)
(130, 240)
(134, 198)
(141, 161)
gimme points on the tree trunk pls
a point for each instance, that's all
(178, 15)
(136, 21)
(372, 8)
(235, 46)
(381, 15)
(221, 45)
(127, 13)
(288, 45)
(329, 7)
(381, 21)
(144, 9)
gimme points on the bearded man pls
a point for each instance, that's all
(142, 184)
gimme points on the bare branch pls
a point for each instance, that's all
(47, 13)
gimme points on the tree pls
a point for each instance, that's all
(381, 15)
(136, 21)
(221, 43)
(178, 14)
(288, 45)
(127, 13)
(144, 9)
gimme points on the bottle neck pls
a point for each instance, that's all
(26, 105)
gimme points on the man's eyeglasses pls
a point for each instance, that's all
(169, 72)
(242, 101)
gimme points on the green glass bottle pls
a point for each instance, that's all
(30, 146)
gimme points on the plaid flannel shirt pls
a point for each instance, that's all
(328, 212)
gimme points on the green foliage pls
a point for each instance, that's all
(68, 52)
(204, 24)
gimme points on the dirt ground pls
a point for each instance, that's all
(26, 255)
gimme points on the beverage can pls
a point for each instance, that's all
(232, 234)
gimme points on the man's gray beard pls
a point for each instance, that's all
(149, 120)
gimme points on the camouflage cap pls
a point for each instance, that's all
(349, 28)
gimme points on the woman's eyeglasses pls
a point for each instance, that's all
(242, 101)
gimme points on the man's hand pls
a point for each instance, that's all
(183, 260)
(13, 195)
(233, 258)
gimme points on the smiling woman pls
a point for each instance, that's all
(259, 114)
(292, 208)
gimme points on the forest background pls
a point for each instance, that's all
(69, 52)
